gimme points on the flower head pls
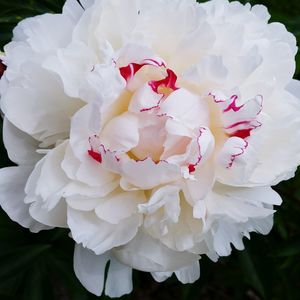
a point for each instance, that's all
(155, 138)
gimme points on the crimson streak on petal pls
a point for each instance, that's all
(2, 68)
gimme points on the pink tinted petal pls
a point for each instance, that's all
(144, 99)
(121, 133)
(185, 107)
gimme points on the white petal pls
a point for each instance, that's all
(232, 152)
(87, 3)
(161, 276)
(144, 99)
(192, 46)
(46, 32)
(92, 173)
(88, 171)
(294, 88)
(36, 101)
(186, 108)
(89, 269)
(166, 197)
(81, 129)
(147, 254)
(119, 206)
(21, 147)
(119, 279)
(98, 235)
(261, 11)
(56, 217)
(137, 173)
(241, 204)
(234, 212)
(225, 235)
(52, 180)
(103, 84)
(197, 188)
(71, 64)
(83, 203)
(189, 274)
(76, 188)
(12, 194)
(73, 9)
(121, 133)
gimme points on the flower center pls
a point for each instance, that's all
(164, 122)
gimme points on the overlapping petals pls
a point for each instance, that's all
(155, 139)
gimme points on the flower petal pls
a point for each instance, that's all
(98, 235)
(147, 254)
(12, 194)
(189, 274)
(121, 133)
(21, 148)
(134, 172)
(56, 217)
(119, 206)
(36, 101)
(119, 279)
(186, 107)
(90, 268)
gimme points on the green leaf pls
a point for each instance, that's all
(290, 249)
(250, 272)
(20, 259)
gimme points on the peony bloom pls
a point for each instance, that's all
(154, 137)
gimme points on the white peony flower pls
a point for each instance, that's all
(152, 129)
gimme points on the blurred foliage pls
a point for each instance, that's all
(39, 266)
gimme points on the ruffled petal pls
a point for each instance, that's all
(36, 101)
(121, 133)
(188, 274)
(12, 195)
(98, 235)
(21, 148)
(119, 206)
(135, 173)
(185, 107)
(90, 268)
(147, 254)
(119, 279)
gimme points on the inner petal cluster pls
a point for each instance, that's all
(167, 124)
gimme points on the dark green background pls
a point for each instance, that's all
(39, 266)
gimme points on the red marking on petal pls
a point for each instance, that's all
(98, 155)
(169, 82)
(129, 71)
(232, 105)
(238, 124)
(95, 155)
(243, 133)
(2, 68)
(216, 100)
(157, 106)
(192, 168)
(234, 156)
